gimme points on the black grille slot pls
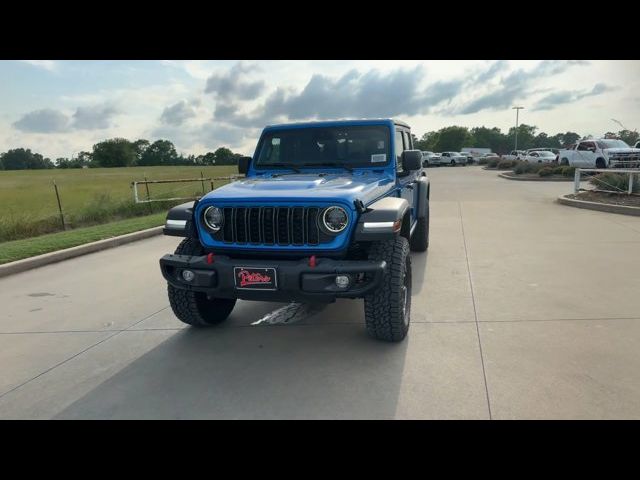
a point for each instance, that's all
(313, 233)
(271, 225)
(227, 229)
(268, 225)
(283, 225)
(254, 225)
(297, 226)
(241, 225)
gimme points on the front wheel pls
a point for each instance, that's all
(453, 163)
(387, 309)
(196, 308)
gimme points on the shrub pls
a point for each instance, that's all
(568, 171)
(558, 170)
(493, 163)
(505, 164)
(483, 161)
(615, 181)
(545, 171)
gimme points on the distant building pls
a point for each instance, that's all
(475, 152)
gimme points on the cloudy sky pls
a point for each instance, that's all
(59, 108)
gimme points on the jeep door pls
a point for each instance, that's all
(405, 178)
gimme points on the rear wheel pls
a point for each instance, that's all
(196, 308)
(600, 163)
(388, 308)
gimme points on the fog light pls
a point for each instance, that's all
(342, 281)
(188, 275)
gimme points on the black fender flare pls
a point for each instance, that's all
(180, 221)
(423, 186)
(382, 220)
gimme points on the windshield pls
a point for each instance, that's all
(326, 146)
(612, 144)
(545, 153)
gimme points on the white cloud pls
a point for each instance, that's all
(49, 65)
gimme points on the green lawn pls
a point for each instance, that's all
(19, 249)
(89, 196)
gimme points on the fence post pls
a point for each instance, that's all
(202, 182)
(630, 182)
(59, 205)
(148, 195)
(576, 181)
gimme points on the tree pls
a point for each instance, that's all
(452, 139)
(629, 136)
(160, 152)
(140, 146)
(116, 152)
(224, 156)
(492, 138)
(526, 136)
(21, 159)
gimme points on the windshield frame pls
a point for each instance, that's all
(303, 164)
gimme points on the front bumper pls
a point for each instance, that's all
(296, 280)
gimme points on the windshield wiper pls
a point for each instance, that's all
(328, 164)
(287, 165)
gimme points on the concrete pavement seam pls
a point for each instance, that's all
(475, 313)
(79, 353)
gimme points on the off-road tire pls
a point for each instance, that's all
(600, 163)
(453, 163)
(387, 313)
(195, 308)
(420, 238)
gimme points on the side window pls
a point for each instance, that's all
(399, 150)
(407, 141)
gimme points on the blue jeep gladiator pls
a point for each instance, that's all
(327, 210)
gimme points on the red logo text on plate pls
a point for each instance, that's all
(252, 278)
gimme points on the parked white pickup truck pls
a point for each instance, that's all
(515, 155)
(600, 153)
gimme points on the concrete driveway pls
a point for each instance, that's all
(522, 308)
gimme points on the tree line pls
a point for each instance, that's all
(120, 152)
(117, 152)
(455, 138)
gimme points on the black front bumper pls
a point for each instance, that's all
(296, 279)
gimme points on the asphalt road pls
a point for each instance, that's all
(522, 308)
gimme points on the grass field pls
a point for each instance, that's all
(28, 205)
(29, 247)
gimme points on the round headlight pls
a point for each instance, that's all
(335, 219)
(213, 218)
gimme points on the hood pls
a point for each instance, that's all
(363, 185)
(622, 150)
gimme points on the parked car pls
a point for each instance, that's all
(327, 210)
(600, 153)
(637, 145)
(430, 159)
(514, 155)
(454, 158)
(489, 156)
(540, 156)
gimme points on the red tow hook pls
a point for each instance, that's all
(210, 258)
(312, 261)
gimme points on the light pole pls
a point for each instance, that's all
(517, 109)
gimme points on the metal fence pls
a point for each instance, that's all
(204, 182)
(615, 189)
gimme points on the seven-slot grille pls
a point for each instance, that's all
(271, 225)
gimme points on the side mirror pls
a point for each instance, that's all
(243, 165)
(412, 159)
